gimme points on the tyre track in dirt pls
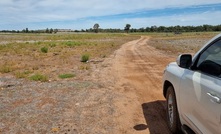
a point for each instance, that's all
(138, 69)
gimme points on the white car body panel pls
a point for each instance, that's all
(197, 108)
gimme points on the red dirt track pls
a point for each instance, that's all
(137, 69)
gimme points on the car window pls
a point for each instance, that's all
(210, 60)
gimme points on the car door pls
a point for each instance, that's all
(200, 91)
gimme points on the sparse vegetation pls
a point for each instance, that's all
(44, 49)
(63, 51)
(73, 43)
(5, 69)
(39, 77)
(85, 57)
(52, 45)
(22, 74)
(84, 67)
(177, 44)
(65, 76)
(90, 90)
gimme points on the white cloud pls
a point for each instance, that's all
(212, 18)
(27, 11)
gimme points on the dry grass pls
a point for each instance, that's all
(20, 53)
(182, 43)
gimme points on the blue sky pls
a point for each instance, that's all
(83, 14)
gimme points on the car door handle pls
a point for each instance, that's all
(214, 98)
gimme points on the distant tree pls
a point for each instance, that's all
(47, 30)
(26, 30)
(147, 29)
(217, 28)
(153, 28)
(55, 31)
(142, 30)
(127, 28)
(207, 27)
(161, 29)
(96, 27)
(51, 30)
(76, 31)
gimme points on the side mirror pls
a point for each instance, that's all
(184, 60)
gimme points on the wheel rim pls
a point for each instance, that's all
(170, 109)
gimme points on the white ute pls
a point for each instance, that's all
(192, 88)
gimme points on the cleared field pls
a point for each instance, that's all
(115, 92)
(180, 43)
(46, 56)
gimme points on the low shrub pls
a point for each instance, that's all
(22, 74)
(5, 69)
(64, 76)
(44, 49)
(83, 67)
(85, 57)
(52, 45)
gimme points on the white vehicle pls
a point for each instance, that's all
(192, 88)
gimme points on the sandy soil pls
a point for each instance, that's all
(137, 70)
(122, 95)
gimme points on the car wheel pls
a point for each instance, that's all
(172, 112)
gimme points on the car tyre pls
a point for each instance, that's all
(173, 120)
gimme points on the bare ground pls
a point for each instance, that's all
(123, 94)
(137, 69)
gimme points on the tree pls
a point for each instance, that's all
(47, 30)
(55, 31)
(127, 28)
(96, 27)
(26, 30)
(51, 30)
(153, 28)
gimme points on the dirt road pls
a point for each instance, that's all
(137, 70)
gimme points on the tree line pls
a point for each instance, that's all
(127, 28)
(175, 29)
(26, 30)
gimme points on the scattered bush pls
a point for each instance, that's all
(85, 57)
(72, 43)
(64, 76)
(22, 74)
(5, 69)
(52, 45)
(82, 67)
(39, 77)
(38, 43)
(44, 49)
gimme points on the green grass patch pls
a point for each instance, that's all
(39, 77)
(85, 57)
(65, 76)
(73, 43)
(44, 50)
